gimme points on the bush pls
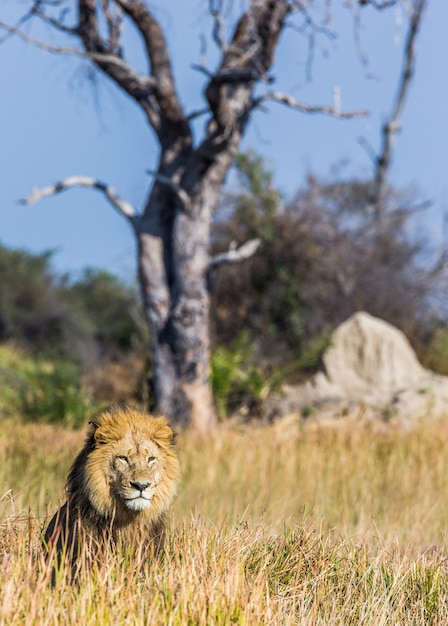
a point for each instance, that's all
(235, 381)
(42, 391)
(434, 356)
(53, 394)
(238, 383)
(110, 311)
(87, 320)
(32, 311)
(324, 256)
(13, 367)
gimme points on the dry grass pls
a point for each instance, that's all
(272, 525)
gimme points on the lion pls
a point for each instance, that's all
(119, 487)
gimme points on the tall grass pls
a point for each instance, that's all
(272, 525)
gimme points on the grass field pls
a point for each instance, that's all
(340, 524)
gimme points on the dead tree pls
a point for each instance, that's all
(172, 229)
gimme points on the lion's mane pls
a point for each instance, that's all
(119, 487)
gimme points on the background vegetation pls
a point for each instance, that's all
(323, 256)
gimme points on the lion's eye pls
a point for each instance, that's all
(151, 460)
(123, 458)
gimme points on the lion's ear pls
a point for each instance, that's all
(163, 433)
(97, 421)
(94, 425)
(92, 437)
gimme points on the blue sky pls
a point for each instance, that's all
(55, 122)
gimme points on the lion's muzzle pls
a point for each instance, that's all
(139, 497)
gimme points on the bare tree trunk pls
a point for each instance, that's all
(174, 262)
(177, 306)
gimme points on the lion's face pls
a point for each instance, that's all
(132, 468)
(135, 471)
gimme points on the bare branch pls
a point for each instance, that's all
(114, 25)
(202, 69)
(145, 83)
(235, 255)
(169, 182)
(194, 114)
(311, 29)
(307, 108)
(219, 37)
(168, 110)
(246, 61)
(297, 6)
(368, 148)
(124, 76)
(57, 24)
(125, 208)
(362, 54)
(11, 30)
(69, 30)
(229, 76)
(380, 6)
(155, 93)
(393, 124)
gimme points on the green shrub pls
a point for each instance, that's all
(41, 391)
(234, 381)
(312, 351)
(308, 410)
(435, 355)
(226, 364)
(237, 382)
(52, 316)
(53, 394)
(14, 365)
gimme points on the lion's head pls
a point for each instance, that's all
(129, 466)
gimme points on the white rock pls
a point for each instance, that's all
(369, 362)
(370, 359)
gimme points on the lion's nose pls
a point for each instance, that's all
(140, 486)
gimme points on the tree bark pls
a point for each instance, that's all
(176, 301)
(174, 260)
